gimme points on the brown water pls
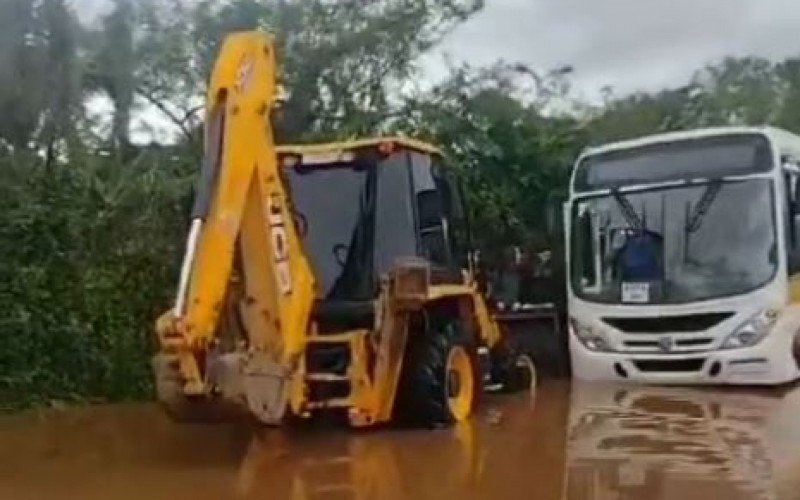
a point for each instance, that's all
(570, 442)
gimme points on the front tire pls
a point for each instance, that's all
(440, 382)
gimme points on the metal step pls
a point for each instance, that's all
(330, 403)
(339, 338)
(326, 377)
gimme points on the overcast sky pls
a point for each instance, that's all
(629, 44)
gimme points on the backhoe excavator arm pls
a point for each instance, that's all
(242, 208)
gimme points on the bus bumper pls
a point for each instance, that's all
(769, 363)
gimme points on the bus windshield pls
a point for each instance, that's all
(674, 244)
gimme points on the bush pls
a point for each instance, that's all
(88, 258)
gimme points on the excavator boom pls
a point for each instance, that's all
(242, 213)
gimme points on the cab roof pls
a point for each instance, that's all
(337, 148)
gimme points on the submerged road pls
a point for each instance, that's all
(569, 442)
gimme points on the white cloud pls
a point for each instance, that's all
(629, 44)
(89, 10)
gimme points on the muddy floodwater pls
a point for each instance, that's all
(569, 442)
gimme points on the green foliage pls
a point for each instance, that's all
(89, 251)
(743, 91)
(38, 75)
(789, 114)
(514, 161)
(340, 60)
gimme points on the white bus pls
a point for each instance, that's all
(683, 254)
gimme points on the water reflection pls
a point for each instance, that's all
(660, 443)
(482, 458)
(579, 442)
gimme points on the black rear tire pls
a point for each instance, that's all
(514, 367)
(425, 384)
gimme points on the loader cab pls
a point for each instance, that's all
(360, 207)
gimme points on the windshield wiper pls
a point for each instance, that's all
(631, 216)
(706, 200)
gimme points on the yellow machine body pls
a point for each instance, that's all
(245, 257)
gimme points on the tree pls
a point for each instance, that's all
(112, 68)
(340, 61)
(62, 100)
(20, 72)
(168, 74)
(641, 114)
(513, 159)
(39, 99)
(789, 115)
(733, 91)
(739, 91)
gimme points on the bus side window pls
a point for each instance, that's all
(792, 190)
(584, 242)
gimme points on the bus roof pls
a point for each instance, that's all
(336, 148)
(772, 132)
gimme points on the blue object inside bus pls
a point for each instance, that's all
(639, 260)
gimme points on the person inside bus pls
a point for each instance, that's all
(639, 259)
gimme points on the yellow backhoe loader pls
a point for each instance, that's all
(323, 278)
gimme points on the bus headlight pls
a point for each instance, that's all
(589, 337)
(752, 331)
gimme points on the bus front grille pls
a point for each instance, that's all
(685, 323)
(681, 344)
(669, 365)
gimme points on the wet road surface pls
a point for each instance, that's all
(569, 442)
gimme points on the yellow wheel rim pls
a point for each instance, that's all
(459, 383)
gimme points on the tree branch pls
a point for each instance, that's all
(174, 118)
